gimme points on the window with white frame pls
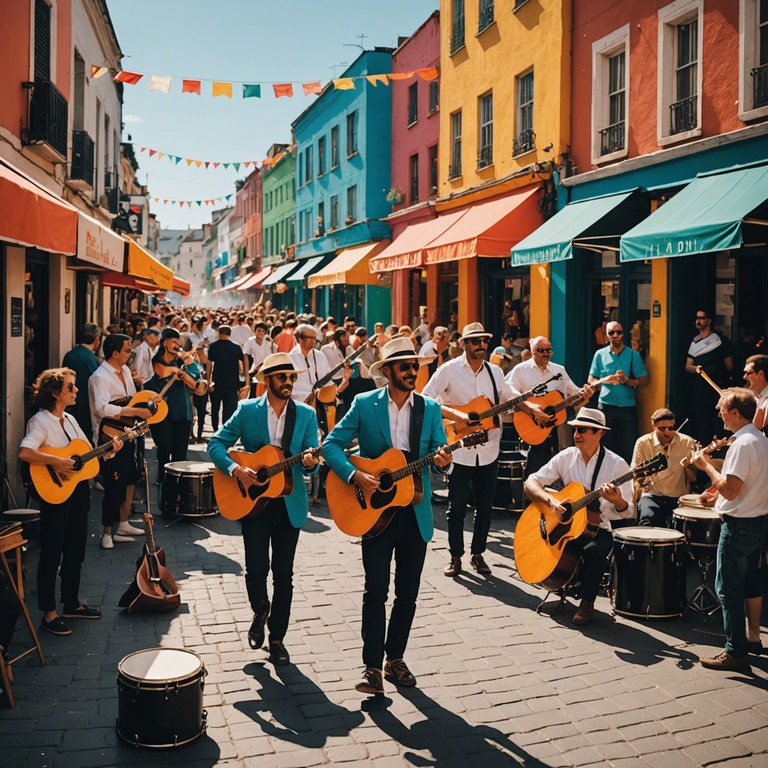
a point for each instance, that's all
(454, 170)
(525, 138)
(485, 115)
(753, 59)
(680, 53)
(610, 88)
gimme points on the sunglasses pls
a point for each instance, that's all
(483, 341)
(750, 373)
(667, 429)
(615, 333)
(283, 377)
(582, 430)
(547, 351)
(702, 317)
(405, 367)
(70, 387)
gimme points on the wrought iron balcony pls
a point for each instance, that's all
(612, 138)
(454, 170)
(683, 115)
(47, 117)
(457, 38)
(524, 142)
(486, 16)
(485, 156)
(760, 86)
(81, 168)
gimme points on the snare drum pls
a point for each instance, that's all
(701, 527)
(160, 697)
(648, 572)
(188, 489)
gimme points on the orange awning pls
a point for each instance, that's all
(407, 249)
(143, 265)
(98, 245)
(33, 217)
(488, 229)
(182, 286)
(255, 280)
(350, 267)
(119, 280)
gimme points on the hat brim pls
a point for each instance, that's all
(477, 335)
(376, 367)
(260, 375)
(588, 425)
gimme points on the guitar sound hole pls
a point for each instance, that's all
(262, 475)
(385, 482)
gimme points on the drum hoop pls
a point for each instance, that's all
(187, 473)
(687, 513)
(137, 743)
(180, 681)
(669, 539)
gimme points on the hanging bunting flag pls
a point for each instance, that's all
(143, 149)
(310, 88)
(198, 163)
(97, 71)
(216, 165)
(160, 155)
(236, 166)
(344, 84)
(190, 86)
(177, 160)
(222, 89)
(130, 78)
(160, 83)
(152, 152)
(282, 89)
(429, 73)
(189, 161)
(251, 91)
(374, 79)
(226, 165)
(400, 75)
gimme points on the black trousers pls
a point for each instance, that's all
(200, 403)
(224, 398)
(622, 423)
(272, 528)
(172, 441)
(594, 561)
(402, 539)
(63, 533)
(117, 474)
(482, 481)
(539, 455)
(656, 510)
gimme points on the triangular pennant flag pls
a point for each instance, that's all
(160, 155)
(160, 83)
(237, 166)
(216, 165)
(189, 203)
(222, 89)
(207, 163)
(152, 152)
(429, 73)
(400, 75)
(344, 84)
(142, 149)
(181, 203)
(177, 160)
(374, 79)
(228, 197)
(165, 202)
(156, 199)
(97, 71)
(189, 161)
(199, 203)
(130, 78)
(247, 163)
(226, 165)
(190, 86)
(198, 163)
(310, 88)
(251, 91)
(282, 89)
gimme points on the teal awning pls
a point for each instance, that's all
(307, 268)
(554, 240)
(707, 215)
(280, 273)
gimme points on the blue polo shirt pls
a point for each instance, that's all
(605, 363)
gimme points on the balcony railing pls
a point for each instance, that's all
(683, 115)
(760, 86)
(457, 38)
(486, 16)
(485, 156)
(82, 158)
(47, 117)
(612, 138)
(454, 170)
(525, 141)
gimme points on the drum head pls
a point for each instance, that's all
(181, 468)
(645, 534)
(160, 665)
(689, 513)
(691, 500)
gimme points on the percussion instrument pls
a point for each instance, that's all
(700, 526)
(648, 572)
(193, 495)
(691, 500)
(509, 496)
(160, 697)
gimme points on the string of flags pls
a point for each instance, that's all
(208, 164)
(222, 88)
(199, 203)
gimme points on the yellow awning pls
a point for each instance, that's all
(350, 267)
(142, 264)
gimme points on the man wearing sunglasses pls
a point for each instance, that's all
(617, 398)
(459, 381)
(272, 419)
(755, 372)
(393, 416)
(659, 493)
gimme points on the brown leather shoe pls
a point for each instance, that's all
(454, 569)
(726, 661)
(371, 682)
(584, 613)
(479, 564)
(397, 672)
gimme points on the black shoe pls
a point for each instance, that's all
(479, 564)
(755, 647)
(397, 672)
(371, 682)
(256, 632)
(55, 627)
(278, 654)
(82, 612)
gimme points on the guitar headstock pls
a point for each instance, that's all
(475, 438)
(539, 389)
(148, 522)
(137, 430)
(657, 464)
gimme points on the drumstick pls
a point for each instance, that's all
(704, 375)
(681, 426)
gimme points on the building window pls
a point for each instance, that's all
(457, 26)
(308, 165)
(334, 212)
(320, 157)
(610, 78)
(42, 41)
(413, 103)
(432, 163)
(335, 146)
(413, 172)
(525, 138)
(753, 59)
(434, 95)
(485, 17)
(679, 79)
(351, 204)
(351, 134)
(485, 114)
(454, 171)
(320, 230)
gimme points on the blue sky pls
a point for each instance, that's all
(247, 40)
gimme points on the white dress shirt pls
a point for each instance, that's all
(46, 430)
(104, 386)
(747, 459)
(240, 334)
(400, 422)
(526, 375)
(455, 383)
(142, 361)
(276, 424)
(257, 352)
(317, 367)
(335, 357)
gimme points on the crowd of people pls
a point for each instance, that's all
(310, 384)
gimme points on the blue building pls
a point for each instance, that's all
(343, 165)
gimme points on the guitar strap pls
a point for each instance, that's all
(417, 420)
(600, 457)
(290, 422)
(493, 382)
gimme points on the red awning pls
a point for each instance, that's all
(119, 280)
(33, 217)
(182, 286)
(253, 283)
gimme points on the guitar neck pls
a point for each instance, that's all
(286, 464)
(352, 356)
(418, 464)
(509, 404)
(105, 448)
(585, 501)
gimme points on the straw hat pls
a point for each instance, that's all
(276, 363)
(590, 417)
(475, 331)
(399, 349)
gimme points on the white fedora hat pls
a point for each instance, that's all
(475, 331)
(590, 417)
(396, 350)
(276, 363)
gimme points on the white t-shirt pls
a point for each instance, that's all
(747, 459)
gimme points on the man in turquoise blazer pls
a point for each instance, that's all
(272, 419)
(393, 416)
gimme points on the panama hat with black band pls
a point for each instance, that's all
(279, 362)
(475, 331)
(396, 351)
(591, 418)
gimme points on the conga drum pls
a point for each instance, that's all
(193, 496)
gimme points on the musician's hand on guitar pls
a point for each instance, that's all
(367, 483)
(540, 416)
(617, 378)
(612, 494)
(63, 466)
(557, 507)
(459, 417)
(117, 444)
(245, 475)
(309, 460)
(442, 458)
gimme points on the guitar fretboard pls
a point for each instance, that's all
(418, 464)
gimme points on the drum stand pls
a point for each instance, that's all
(704, 600)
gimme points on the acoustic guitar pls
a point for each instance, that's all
(357, 512)
(482, 412)
(53, 486)
(236, 501)
(547, 549)
(555, 405)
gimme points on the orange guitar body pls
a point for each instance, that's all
(59, 490)
(455, 431)
(157, 589)
(530, 432)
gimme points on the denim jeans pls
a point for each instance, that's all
(738, 555)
